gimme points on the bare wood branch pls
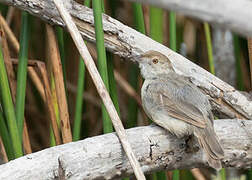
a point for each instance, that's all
(127, 42)
(102, 157)
(232, 16)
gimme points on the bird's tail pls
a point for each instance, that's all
(208, 140)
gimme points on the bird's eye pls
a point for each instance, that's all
(155, 61)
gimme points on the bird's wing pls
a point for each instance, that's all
(178, 101)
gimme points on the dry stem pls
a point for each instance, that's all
(59, 84)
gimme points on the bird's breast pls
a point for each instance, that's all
(160, 116)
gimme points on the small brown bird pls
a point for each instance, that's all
(177, 105)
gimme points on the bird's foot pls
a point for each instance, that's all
(191, 144)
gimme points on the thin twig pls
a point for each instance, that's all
(100, 87)
(59, 84)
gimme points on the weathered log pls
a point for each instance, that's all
(102, 157)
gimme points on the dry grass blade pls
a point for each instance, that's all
(86, 95)
(49, 102)
(13, 40)
(26, 140)
(197, 174)
(44, 90)
(8, 63)
(59, 83)
(3, 152)
(131, 92)
(37, 82)
(79, 42)
(127, 87)
(250, 59)
(10, 14)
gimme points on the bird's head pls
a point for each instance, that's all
(153, 63)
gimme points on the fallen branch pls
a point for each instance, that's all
(126, 42)
(234, 16)
(102, 157)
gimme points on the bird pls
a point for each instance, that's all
(171, 101)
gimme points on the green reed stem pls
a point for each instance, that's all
(237, 52)
(55, 107)
(110, 66)
(134, 70)
(175, 175)
(138, 17)
(209, 47)
(112, 82)
(173, 35)
(250, 175)
(6, 137)
(156, 33)
(79, 99)
(212, 69)
(22, 72)
(132, 106)
(8, 109)
(223, 174)
(173, 31)
(156, 24)
(102, 61)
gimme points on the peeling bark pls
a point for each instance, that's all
(102, 157)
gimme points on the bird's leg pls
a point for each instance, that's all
(191, 144)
